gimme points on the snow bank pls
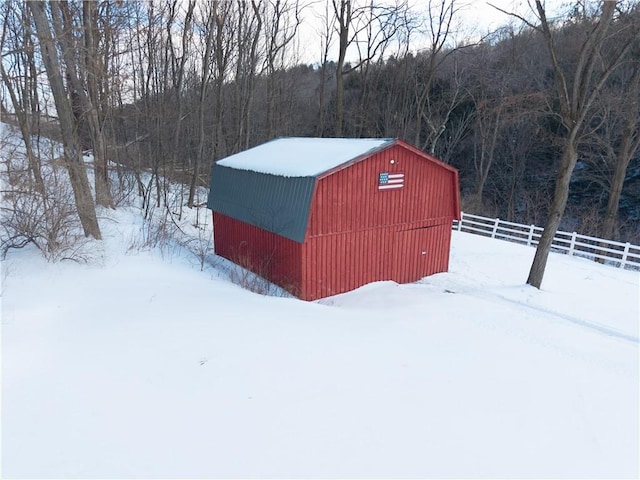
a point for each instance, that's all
(144, 366)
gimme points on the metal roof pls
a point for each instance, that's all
(270, 186)
(302, 156)
(277, 204)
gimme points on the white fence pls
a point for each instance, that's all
(624, 255)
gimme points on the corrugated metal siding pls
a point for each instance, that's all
(277, 204)
(350, 200)
(420, 252)
(359, 234)
(341, 262)
(272, 256)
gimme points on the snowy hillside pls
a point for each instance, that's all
(138, 364)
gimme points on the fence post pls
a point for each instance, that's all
(495, 228)
(624, 255)
(572, 245)
(460, 221)
(530, 237)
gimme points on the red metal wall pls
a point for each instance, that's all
(349, 199)
(359, 234)
(343, 261)
(270, 255)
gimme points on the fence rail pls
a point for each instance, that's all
(624, 255)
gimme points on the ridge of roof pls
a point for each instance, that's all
(302, 156)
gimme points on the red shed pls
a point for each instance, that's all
(321, 216)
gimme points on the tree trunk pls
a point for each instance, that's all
(206, 60)
(561, 194)
(71, 145)
(343, 15)
(629, 146)
(94, 72)
(326, 45)
(221, 54)
(339, 101)
(613, 202)
(487, 152)
(86, 114)
(321, 95)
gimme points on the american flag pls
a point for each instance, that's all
(388, 180)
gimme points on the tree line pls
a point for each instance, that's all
(541, 116)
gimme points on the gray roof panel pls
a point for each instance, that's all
(274, 203)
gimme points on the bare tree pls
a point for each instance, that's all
(325, 33)
(378, 23)
(16, 44)
(70, 141)
(577, 86)
(613, 142)
(504, 93)
(224, 52)
(488, 122)
(282, 20)
(344, 16)
(178, 56)
(208, 32)
(94, 78)
(576, 96)
(84, 74)
(248, 32)
(629, 145)
(441, 16)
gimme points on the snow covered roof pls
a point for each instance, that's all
(301, 157)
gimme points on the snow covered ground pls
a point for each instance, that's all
(139, 364)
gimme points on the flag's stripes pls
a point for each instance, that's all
(390, 180)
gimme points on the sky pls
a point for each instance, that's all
(476, 18)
